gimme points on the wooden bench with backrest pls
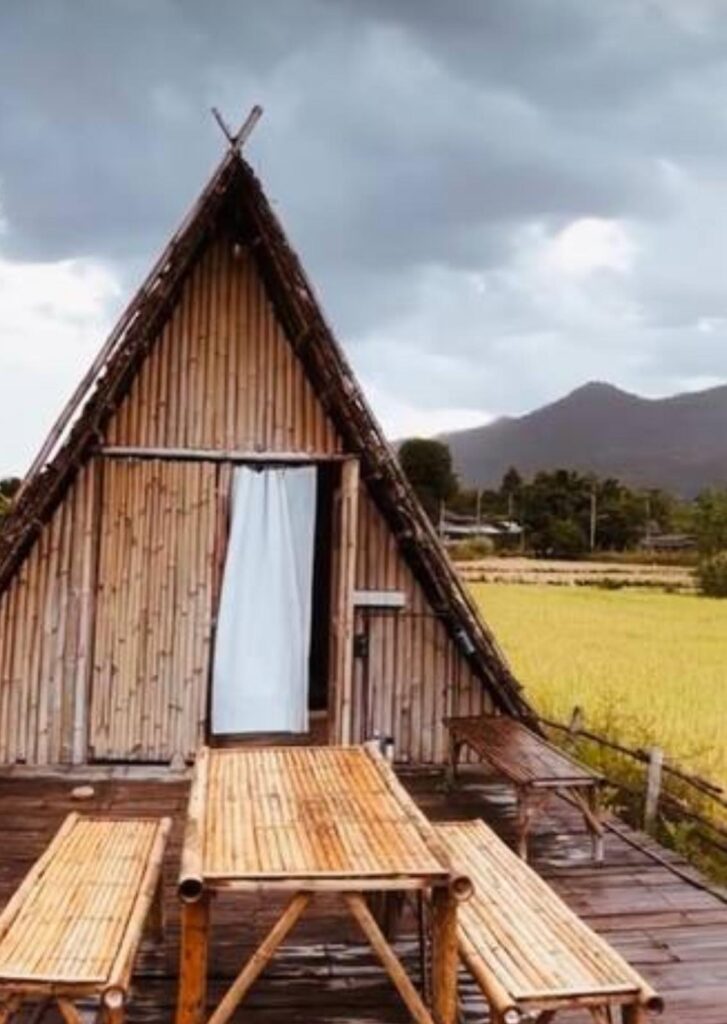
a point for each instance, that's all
(529, 953)
(533, 766)
(73, 927)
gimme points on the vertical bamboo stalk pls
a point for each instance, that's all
(344, 612)
(191, 874)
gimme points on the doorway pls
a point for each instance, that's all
(261, 673)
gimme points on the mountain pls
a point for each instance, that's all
(677, 443)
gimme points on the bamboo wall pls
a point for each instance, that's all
(154, 609)
(222, 374)
(131, 558)
(414, 674)
(45, 629)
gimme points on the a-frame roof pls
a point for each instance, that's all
(234, 193)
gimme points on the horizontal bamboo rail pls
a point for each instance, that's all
(710, 789)
(218, 455)
(661, 800)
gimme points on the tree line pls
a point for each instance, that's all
(8, 487)
(565, 513)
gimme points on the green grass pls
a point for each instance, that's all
(646, 667)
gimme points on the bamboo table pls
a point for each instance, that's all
(533, 766)
(302, 821)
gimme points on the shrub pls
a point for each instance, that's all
(471, 550)
(560, 538)
(712, 575)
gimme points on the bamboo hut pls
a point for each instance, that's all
(216, 541)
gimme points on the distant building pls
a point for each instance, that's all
(669, 542)
(453, 527)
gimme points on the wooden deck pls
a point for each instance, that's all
(674, 933)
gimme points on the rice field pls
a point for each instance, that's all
(647, 667)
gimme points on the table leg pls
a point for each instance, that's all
(193, 962)
(444, 955)
(8, 1008)
(390, 961)
(635, 1013)
(260, 959)
(423, 947)
(455, 749)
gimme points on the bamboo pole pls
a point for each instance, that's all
(16, 901)
(391, 963)
(202, 454)
(191, 875)
(498, 998)
(120, 973)
(460, 884)
(193, 954)
(260, 959)
(68, 1011)
(444, 955)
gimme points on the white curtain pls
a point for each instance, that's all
(260, 674)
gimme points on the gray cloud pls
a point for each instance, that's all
(425, 157)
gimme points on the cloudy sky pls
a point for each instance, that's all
(497, 199)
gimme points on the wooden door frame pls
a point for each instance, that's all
(340, 690)
(350, 475)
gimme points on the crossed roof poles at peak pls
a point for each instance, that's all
(238, 139)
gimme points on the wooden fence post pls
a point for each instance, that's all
(653, 787)
(577, 719)
(574, 727)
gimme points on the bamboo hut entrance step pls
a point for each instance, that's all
(74, 925)
(533, 766)
(529, 953)
(305, 821)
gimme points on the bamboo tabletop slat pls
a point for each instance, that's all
(310, 812)
(521, 756)
(68, 921)
(522, 931)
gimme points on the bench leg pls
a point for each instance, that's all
(193, 962)
(590, 806)
(524, 820)
(594, 801)
(455, 749)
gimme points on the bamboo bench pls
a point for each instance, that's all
(533, 766)
(528, 952)
(73, 927)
